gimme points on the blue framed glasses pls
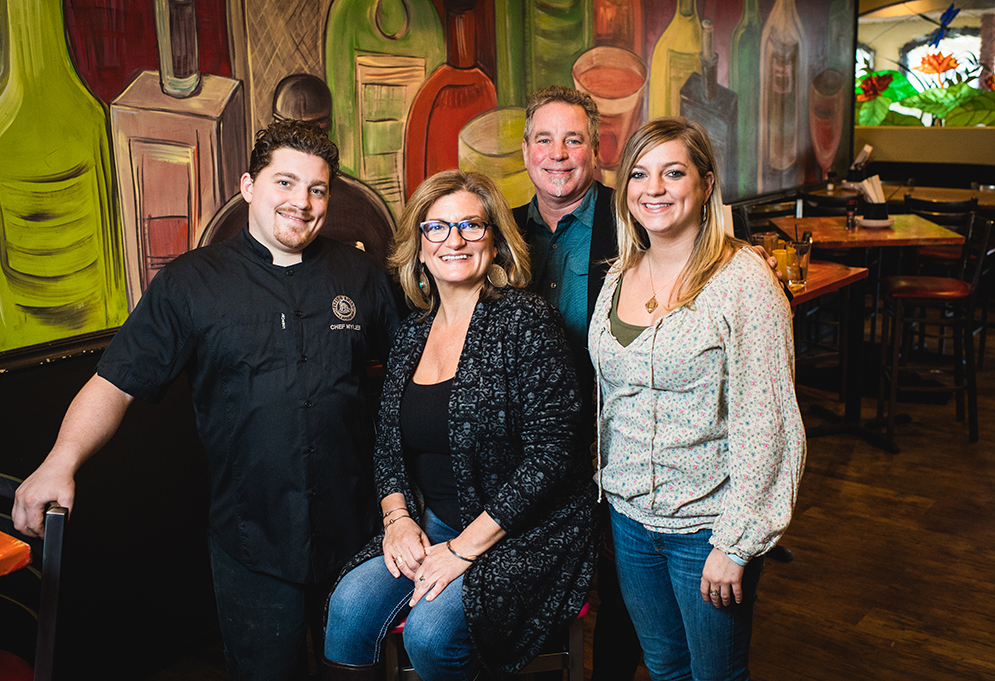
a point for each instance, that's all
(438, 231)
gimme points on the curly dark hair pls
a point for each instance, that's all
(301, 136)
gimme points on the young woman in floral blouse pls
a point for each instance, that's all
(701, 444)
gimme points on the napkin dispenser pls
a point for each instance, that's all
(875, 211)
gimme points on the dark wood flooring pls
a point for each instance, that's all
(894, 568)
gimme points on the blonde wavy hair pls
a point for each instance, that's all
(712, 245)
(512, 253)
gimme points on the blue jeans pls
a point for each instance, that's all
(368, 602)
(683, 637)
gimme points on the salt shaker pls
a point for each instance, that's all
(851, 215)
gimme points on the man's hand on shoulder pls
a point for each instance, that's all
(771, 260)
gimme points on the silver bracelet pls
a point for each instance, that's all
(449, 546)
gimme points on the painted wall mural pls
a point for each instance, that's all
(125, 124)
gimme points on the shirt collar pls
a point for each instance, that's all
(582, 214)
(262, 253)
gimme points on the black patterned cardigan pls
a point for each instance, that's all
(513, 426)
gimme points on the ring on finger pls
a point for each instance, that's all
(421, 579)
(713, 592)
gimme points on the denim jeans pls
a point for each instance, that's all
(368, 602)
(683, 637)
(264, 620)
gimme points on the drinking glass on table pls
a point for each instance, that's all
(797, 263)
(766, 239)
(780, 254)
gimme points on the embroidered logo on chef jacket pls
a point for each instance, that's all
(344, 309)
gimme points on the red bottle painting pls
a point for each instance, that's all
(455, 93)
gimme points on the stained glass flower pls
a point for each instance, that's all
(872, 87)
(937, 63)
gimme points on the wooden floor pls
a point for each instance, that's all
(894, 569)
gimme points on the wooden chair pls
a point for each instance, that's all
(952, 300)
(568, 654)
(39, 588)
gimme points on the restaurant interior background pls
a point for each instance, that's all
(122, 141)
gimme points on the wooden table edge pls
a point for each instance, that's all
(849, 276)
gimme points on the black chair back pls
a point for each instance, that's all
(953, 214)
(818, 205)
(976, 247)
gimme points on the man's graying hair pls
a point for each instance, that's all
(567, 95)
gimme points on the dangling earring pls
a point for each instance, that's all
(704, 213)
(497, 276)
(424, 283)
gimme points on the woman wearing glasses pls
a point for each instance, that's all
(486, 494)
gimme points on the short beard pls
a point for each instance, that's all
(558, 184)
(293, 239)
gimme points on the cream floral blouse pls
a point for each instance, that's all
(699, 426)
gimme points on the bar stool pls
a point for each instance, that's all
(945, 296)
(568, 654)
(955, 215)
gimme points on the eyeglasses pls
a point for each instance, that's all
(438, 231)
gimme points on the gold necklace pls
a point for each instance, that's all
(651, 304)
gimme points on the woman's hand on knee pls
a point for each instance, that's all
(721, 580)
(404, 548)
(437, 571)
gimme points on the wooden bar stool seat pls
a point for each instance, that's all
(913, 288)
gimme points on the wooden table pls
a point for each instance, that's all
(895, 195)
(836, 192)
(14, 554)
(909, 230)
(825, 277)
(830, 233)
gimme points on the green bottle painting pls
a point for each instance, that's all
(378, 53)
(61, 259)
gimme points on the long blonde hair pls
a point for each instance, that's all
(512, 253)
(712, 244)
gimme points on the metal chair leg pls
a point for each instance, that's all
(896, 338)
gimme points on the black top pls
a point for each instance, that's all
(277, 358)
(425, 436)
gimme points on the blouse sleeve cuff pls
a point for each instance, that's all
(737, 560)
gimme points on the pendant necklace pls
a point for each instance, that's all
(651, 304)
